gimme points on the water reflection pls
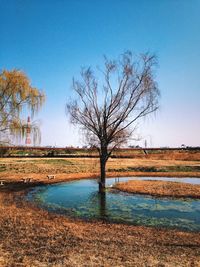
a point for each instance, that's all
(81, 199)
(97, 202)
(102, 205)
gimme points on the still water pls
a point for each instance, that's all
(80, 199)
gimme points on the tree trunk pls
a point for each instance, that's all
(102, 182)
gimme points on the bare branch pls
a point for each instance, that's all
(130, 93)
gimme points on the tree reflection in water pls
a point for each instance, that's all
(81, 199)
(102, 205)
(98, 201)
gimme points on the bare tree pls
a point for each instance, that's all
(128, 93)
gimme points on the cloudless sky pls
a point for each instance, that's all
(51, 39)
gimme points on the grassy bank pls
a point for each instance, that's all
(160, 188)
(33, 237)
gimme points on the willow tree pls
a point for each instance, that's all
(108, 107)
(17, 96)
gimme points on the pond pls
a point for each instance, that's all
(80, 199)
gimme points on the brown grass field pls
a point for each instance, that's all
(30, 236)
(14, 169)
(160, 188)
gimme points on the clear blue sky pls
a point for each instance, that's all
(51, 39)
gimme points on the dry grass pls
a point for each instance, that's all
(32, 237)
(14, 169)
(160, 188)
(163, 155)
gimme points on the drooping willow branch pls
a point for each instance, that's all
(17, 96)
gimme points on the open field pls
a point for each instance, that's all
(33, 237)
(14, 169)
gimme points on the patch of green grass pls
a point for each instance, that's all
(54, 161)
(157, 169)
(2, 168)
(180, 169)
(135, 169)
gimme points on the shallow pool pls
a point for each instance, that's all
(80, 199)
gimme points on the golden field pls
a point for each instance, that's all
(30, 236)
(14, 169)
(160, 188)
